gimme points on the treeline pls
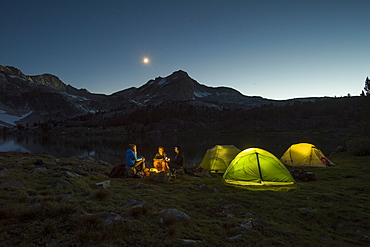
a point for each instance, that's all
(322, 113)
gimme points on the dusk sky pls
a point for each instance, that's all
(277, 49)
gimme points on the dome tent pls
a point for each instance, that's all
(255, 166)
(305, 155)
(218, 158)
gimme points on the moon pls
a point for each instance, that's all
(146, 60)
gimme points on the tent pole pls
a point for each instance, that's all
(291, 159)
(259, 167)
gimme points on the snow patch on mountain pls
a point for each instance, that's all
(162, 82)
(218, 94)
(11, 119)
(3, 76)
(79, 98)
(201, 94)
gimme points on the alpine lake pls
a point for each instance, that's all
(111, 148)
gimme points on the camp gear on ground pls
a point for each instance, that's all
(118, 171)
(303, 176)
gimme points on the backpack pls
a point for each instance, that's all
(303, 175)
(118, 171)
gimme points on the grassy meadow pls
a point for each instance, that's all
(334, 210)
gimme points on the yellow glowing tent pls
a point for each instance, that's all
(305, 155)
(218, 158)
(255, 166)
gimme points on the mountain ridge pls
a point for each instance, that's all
(45, 97)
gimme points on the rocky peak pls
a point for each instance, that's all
(49, 80)
(177, 86)
(10, 70)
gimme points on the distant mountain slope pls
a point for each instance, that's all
(179, 86)
(28, 101)
(39, 98)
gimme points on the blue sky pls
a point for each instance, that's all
(277, 49)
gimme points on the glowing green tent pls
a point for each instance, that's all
(255, 166)
(305, 155)
(218, 158)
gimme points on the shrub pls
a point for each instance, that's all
(102, 194)
(359, 146)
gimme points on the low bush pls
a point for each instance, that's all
(359, 146)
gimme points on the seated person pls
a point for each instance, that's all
(178, 161)
(132, 160)
(159, 161)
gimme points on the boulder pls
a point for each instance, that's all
(207, 188)
(4, 172)
(60, 182)
(11, 183)
(39, 163)
(114, 217)
(71, 174)
(172, 215)
(104, 184)
(38, 169)
(131, 202)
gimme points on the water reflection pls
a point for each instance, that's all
(112, 148)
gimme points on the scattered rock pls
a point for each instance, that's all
(114, 217)
(101, 162)
(38, 169)
(190, 241)
(104, 184)
(131, 203)
(139, 209)
(60, 182)
(11, 183)
(258, 223)
(39, 163)
(64, 196)
(252, 223)
(4, 173)
(159, 177)
(203, 174)
(340, 149)
(239, 235)
(247, 215)
(247, 224)
(71, 174)
(139, 185)
(307, 209)
(53, 242)
(139, 205)
(207, 188)
(81, 172)
(86, 158)
(171, 215)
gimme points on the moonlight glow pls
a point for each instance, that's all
(146, 60)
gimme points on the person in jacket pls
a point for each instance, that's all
(132, 160)
(178, 161)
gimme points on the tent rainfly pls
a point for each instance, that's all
(255, 166)
(305, 155)
(218, 158)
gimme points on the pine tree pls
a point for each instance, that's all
(367, 86)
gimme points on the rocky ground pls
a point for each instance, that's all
(52, 201)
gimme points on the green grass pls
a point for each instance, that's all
(331, 211)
